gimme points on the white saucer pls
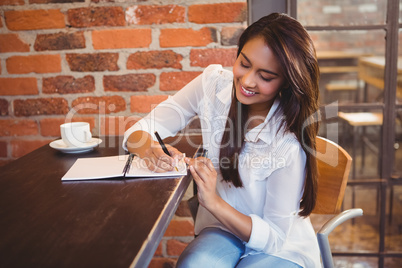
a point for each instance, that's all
(61, 146)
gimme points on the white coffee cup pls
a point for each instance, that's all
(75, 134)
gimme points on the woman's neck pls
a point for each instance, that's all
(260, 109)
(257, 114)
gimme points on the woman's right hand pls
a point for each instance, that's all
(142, 144)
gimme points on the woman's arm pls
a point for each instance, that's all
(284, 189)
(167, 118)
(205, 176)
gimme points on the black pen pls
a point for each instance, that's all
(204, 153)
(163, 146)
(128, 164)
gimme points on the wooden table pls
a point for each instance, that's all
(371, 71)
(45, 222)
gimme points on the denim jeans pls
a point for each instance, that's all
(216, 248)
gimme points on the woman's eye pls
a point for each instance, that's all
(243, 64)
(265, 79)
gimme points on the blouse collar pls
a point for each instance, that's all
(267, 130)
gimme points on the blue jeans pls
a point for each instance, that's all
(214, 247)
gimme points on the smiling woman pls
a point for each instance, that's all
(258, 185)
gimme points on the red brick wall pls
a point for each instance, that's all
(108, 63)
(107, 59)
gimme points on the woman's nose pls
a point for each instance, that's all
(248, 80)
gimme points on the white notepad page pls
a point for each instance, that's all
(112, 167)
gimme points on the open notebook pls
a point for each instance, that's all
(114, 166)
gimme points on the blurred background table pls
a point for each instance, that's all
(339, 79)
(371, 71)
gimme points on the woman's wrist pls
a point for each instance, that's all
(216, 205)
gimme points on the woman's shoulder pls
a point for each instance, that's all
(217, 70)
(216, 76)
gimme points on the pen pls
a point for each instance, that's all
(163, 146)
(128, 164)
(204, 153)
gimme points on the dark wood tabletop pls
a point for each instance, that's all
(45, 222)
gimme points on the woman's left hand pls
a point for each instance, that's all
(205, 176)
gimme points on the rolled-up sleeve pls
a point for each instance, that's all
(284, 189)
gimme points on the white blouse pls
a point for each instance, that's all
(271, 166)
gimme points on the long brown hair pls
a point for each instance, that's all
(295, 52)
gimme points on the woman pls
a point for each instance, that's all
(258, 186)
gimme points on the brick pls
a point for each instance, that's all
(18, 127)
(34, 19)
(41, 106)
(3, 107)
(128, 82)
(155, 14)
(204, 57)
(11, 2)
(59, 41)
(22, 147)
(3, 149)
(176, 80)
(99, 105)
(18, 86)
(187, 37)
(34, 64)
(154, 60)
(97, 62)
(159, 249)
(50, 127)
(121, 38)
(218, 13)
(162, 263)
(96, 16)
(116, 125)
(180, 228)
(54, 1)
(12, 43)
(175, 247)
(230, 35)
(144, 104)
(64, 84)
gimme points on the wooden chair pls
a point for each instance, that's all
(333, 171)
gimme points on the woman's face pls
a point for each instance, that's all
(258, 76)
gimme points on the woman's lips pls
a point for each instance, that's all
(247, 93)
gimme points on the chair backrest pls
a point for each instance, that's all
(333, 172)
